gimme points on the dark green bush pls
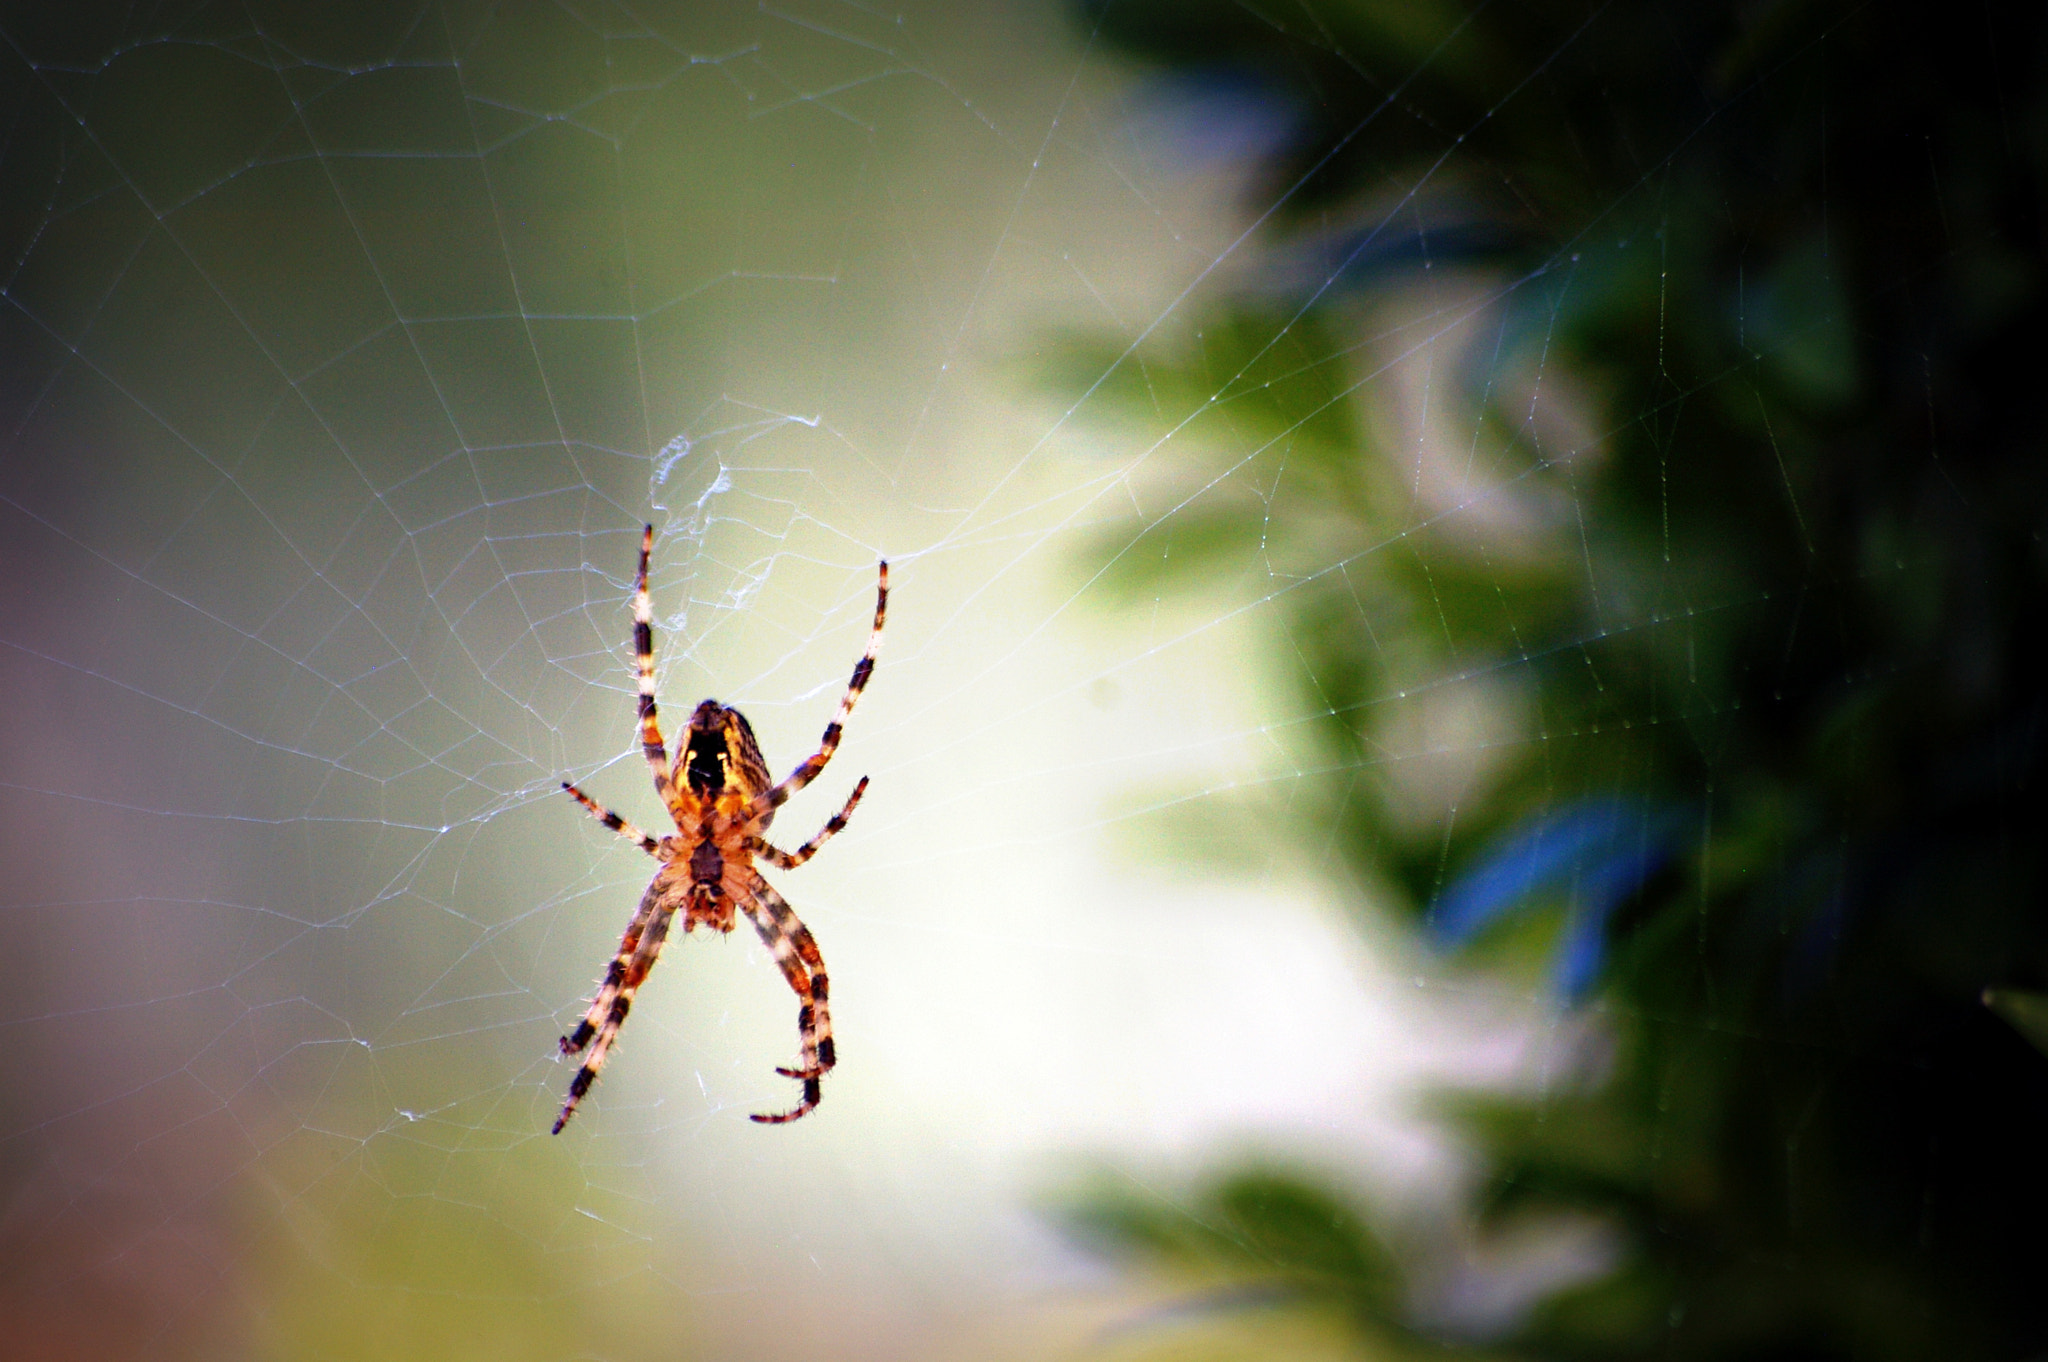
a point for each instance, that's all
(1776, 793)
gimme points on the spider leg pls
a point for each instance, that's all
(790, 860)
(637, 953)
(614, 976)
(770, 800)
(616, 823)
(643, 659)
(796, 951)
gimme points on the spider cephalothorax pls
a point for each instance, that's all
(721, 798)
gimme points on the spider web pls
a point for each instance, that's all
(345, 359)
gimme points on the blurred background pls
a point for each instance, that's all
(1456, 762)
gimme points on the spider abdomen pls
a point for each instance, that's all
(721, 757)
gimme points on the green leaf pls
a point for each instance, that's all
(2026, 1013)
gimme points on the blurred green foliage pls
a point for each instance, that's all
(1744, 556)
(424, 1252)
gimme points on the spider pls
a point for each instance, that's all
(720, 796)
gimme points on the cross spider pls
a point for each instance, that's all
(722, 801)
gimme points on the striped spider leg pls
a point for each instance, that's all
(718, 792)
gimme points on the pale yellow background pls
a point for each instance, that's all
(344, 364)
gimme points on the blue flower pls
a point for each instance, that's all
(1597, 853)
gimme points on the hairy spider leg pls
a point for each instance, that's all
(790, 860)
(637, 954)
(796, 952)
(651, 744)
(614, 822)
(770, 800)
(614, 977)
